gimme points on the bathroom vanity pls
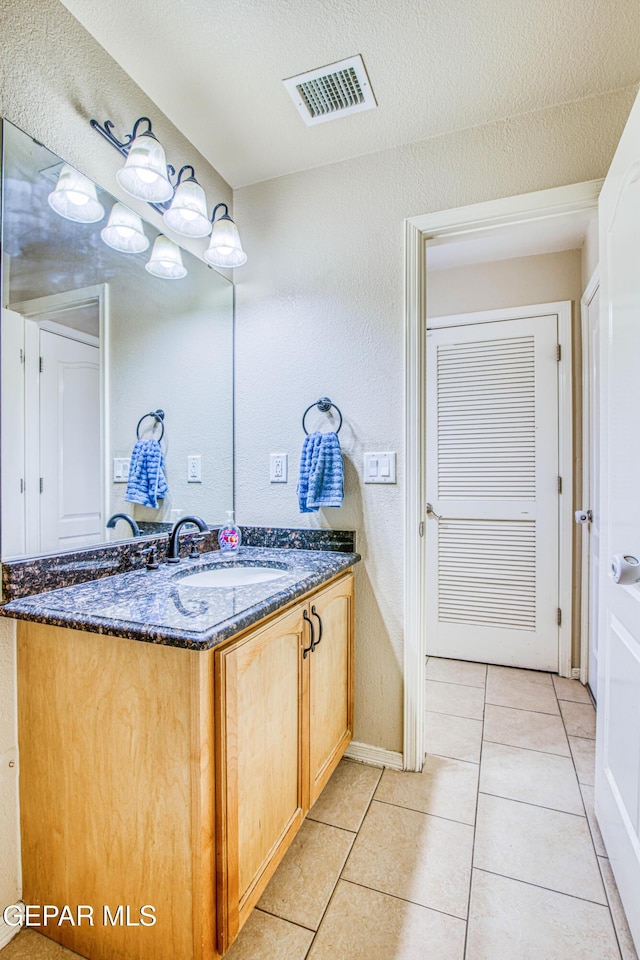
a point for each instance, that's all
(172, 739)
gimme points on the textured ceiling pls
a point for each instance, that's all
(435, 66)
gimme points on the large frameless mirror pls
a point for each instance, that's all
(98, 353)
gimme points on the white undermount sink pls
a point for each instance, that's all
(231, 576)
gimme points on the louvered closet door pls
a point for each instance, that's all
(492, 468)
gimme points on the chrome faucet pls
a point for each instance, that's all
(173, 549)
(111, 522)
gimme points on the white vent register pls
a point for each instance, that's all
(332, 91)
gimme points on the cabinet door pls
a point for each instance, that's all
(260, 796)
(330, 682)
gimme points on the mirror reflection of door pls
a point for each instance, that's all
(53, 438)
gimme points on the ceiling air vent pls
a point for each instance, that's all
(332, 91)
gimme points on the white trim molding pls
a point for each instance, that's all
(374, 756)
(530, 207)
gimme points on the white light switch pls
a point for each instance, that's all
(194, 468)
(380, 467)
(120, 469)
(278, 467)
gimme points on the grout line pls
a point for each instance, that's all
(446, 756)
(510, 706)
(475, 821)
(518, 746)
(394, 896)
(295, 923)
(539, 886)
(425, 813)
(458, 683)
(538, 806)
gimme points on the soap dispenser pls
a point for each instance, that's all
(229, 536)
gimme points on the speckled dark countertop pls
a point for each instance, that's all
(155, 607)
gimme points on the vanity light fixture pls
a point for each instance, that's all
(225, 249)
(183, 208)
(166, 260)
(75, 197)
(187, 214)
(124, 231)
(145, 174)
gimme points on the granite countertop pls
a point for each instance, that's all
(153, 605)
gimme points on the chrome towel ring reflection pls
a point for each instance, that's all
(324, 405)
(158, 416)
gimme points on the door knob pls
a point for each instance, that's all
(584, 516)
(625, 568)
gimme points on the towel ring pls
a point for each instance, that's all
(158, 416)
(324, 405)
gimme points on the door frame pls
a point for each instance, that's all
(33, 309)
(590, 291)
(526, 208)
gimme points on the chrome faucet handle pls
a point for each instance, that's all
(151, 554)
(194, 553)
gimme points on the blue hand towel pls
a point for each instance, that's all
(309, 447)
(147, 482)
(321, 480)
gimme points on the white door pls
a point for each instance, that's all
(13, 434)
(492, 479)
(70, 501)
(591, 387)
(618, 730)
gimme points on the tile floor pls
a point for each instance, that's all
(491, 853)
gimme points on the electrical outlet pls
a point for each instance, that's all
(279, 467)
(194, 468)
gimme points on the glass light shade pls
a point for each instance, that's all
(166, 260)
(144, 174)
(187, 214)
(75, 198)
(225, 249)
(124, 231)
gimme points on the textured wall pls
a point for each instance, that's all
(320, 311)
(53, 78)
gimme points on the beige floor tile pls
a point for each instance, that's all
(509, 920)
(514, 673)
(300, 888)
(512, 690)
(579, 719)
(583, 751)
(571, 690)
(264, 937)
(524, 728)
(445, 788)
(536, 845)
(457, 737)
(539, 778)
(363, 924)
(625, 940)
(29, 945)
(455, 699)
(457, 671)
(344, 801)
(414, 856)
(588, 798)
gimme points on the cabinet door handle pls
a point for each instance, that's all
(311, 647)
(316, 614)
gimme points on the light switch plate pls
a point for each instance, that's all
(278, 467)
(120, 469)
(380, 467)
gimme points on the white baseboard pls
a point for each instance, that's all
(375, 756)
(7, 933)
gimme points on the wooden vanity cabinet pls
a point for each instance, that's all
(284, 718)
(151, 775)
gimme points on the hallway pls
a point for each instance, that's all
(491, 853)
